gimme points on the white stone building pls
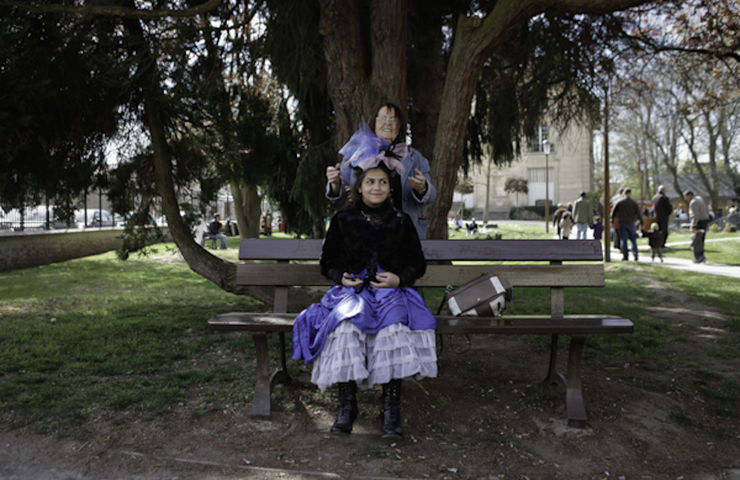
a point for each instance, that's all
(571, 171)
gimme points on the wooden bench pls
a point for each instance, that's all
(535, 263)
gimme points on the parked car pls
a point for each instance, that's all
(122, 220)
(95, 218)
(35, 217)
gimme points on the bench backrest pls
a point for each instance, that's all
(539, 263)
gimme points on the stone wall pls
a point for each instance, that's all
(24, 249)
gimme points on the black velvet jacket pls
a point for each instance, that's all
(361, 237)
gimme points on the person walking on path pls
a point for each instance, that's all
(699, 221)
(583, 215)
(626, 215)
(557, 216)
(663, 210)
(597, 227)
(566, 224)
(656, 241)
(614, 234)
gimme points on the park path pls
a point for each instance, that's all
(709, 267)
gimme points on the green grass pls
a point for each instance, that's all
(100, 334)
(508, 231)
(101, 338)
(725, 252)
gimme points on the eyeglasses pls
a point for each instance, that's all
(387, 119)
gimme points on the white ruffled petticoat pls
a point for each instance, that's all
(394, 352)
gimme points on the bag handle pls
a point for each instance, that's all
(445, 297)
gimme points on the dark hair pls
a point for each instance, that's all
(355, 198)
(399, 115)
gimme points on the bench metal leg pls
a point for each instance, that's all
(262, 387)
(552, 375)
(264, 381)
(574, 405)
(282, 376)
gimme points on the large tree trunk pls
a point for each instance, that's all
(363, 70)
(218, 271)
(211, 267)
(426, 76)
(247, 208)
(469, 53)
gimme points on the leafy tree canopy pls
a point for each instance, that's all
(61, 91)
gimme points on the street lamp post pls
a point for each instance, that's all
(546, 149)
(641, 166)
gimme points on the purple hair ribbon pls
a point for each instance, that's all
(366, 150)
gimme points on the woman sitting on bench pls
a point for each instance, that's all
(372, 327)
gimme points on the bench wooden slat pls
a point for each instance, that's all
(513, 250)
(512, 324)
(253, 322)
(542, 275)
(279, 249)
(567, 325)
(488, 250)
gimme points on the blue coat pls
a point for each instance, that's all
(411, 204)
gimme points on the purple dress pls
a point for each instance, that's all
(362, 247)
(370, 310)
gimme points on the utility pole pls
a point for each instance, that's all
(607, 212)
(546, 148)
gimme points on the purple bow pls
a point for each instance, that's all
(366, 150)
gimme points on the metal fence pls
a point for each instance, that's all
(43, 218)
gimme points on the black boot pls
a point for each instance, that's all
(347, 408)
(391, 413)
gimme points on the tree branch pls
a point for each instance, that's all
(112, 10)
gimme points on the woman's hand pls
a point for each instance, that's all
(418, 182)
(332, 176)
(386, 280)
(351, 282)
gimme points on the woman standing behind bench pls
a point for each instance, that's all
(412, 187)
(371, 328)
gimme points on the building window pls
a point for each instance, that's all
(536, 144)
(537, 187)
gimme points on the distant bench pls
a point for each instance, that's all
(528, 271)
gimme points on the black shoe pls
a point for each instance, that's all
(390, 415)
(347, 408)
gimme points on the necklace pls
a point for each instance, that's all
(374, 220)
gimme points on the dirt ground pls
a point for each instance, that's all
(485, 417)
